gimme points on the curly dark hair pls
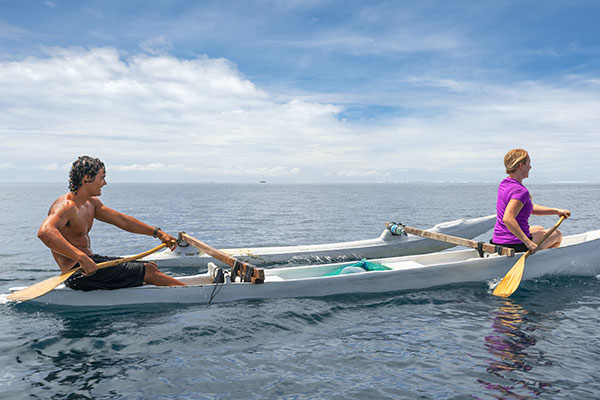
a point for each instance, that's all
(83, 166)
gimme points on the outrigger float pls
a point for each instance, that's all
(386, 245)
(578, 255)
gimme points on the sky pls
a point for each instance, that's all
(299, 91)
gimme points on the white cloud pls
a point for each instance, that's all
(363, 173)
(446, 83)
(201, 119)
(351, 42)
(156, 46)
(6, 165)
(146, 167)
(10, 31)
(48, 167)
(191, 115)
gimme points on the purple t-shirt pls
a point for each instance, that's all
(511, 189)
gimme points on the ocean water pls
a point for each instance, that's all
(454, 342)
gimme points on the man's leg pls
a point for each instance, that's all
(155, 277)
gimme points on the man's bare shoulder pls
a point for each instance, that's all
(63, 204)
(95, 202)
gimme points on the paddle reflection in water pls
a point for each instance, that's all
(511, 345)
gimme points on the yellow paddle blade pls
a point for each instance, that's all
(40, 288)
(512, 279)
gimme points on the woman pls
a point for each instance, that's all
(514, 206)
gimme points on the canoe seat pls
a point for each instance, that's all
(405, 265)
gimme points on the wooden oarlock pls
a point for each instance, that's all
(246, 271)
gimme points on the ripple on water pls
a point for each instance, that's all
(452, 342)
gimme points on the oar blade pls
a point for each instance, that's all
(40, 288)
(511, 280)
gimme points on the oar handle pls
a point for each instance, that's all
(118, 261)
(486, 247)
(247, 271)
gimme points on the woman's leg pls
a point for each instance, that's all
(553, 240)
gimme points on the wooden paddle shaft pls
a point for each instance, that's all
(547, 235)
(246, 271)
(551, 231)
(488, 248)
(211, 251)
(118, 261)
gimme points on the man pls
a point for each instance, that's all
(66, 232)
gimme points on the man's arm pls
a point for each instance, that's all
(50, 234)
(129, 223)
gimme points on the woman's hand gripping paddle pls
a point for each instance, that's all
(49, 284)
(512, 279)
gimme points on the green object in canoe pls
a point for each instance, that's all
(360, 266)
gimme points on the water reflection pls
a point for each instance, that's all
(511, 345)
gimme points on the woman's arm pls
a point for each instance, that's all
(543, 210)
(513, 208)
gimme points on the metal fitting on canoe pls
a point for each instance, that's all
(396, 229)
(180, 241)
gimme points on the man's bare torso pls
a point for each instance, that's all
(76, 231)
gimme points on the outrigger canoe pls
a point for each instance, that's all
(579, 255)
(386, 245)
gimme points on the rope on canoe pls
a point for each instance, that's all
(216, 289)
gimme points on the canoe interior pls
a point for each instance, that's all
(386, 245)
(578, 255)
(395, 263)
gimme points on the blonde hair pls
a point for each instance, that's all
(514, 158)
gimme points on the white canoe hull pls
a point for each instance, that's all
(386, 245)
(579, 256)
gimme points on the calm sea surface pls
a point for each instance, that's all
(457, 342)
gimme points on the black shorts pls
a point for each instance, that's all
(519, 247)
(129, 274)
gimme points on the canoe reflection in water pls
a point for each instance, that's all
(511, 346)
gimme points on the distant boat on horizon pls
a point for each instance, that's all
(263, 180)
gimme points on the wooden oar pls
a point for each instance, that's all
(49, 284)
(512, 279)
(488, 248)
(246, 271)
